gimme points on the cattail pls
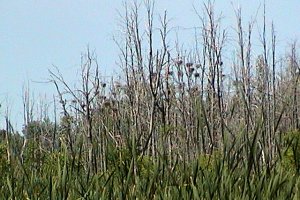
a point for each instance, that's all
(197, 75)
(103, 85)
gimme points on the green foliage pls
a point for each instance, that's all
(291, 155)
(207, 161)
(38, 128)
(146, 166)
(4, 165)
(208, 177)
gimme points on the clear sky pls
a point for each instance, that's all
(36, 34)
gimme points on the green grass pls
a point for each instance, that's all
(215, 176)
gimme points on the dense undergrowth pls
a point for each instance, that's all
(220, 175)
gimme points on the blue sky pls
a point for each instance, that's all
(36, 34)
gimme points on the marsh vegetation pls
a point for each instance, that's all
(176, 124)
